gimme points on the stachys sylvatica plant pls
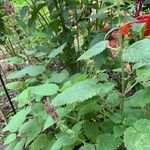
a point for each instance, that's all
(81, 78)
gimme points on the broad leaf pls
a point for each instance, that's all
(94, 50)
(108, 142)
(20, 145)
(77, 93)
(139, 52)
(140, 99)
(39, 143)
(59, 77)
(11, 146)
(91, 126)
(14, 85)
(17, 120)
(15, 60)
(62, 141)
(57, 51)
(137, 137)
(10, 139)
(87, 147)
(31, 70)
(49, 122)
(34, 132)
(44, 89)
(23, 98)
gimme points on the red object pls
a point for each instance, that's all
(125, 29)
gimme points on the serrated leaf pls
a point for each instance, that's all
(35, 130)
(57, 51)
(140, 99)
(139, 52)
(39, 143)
(10, 138)
(27, 126)
(63, 141)
(87, 147)
(94, 50)
(77, 93)
(17, 120)
(91, 130)
(49, 122)
(44, 89)
(116, 118)
(137, 137)
(59, 77)
(118, 130)
(31, 70)
(108, 142)
(23, 98)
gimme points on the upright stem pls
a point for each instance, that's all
(122, 62)
(122, 72)
(59, 8)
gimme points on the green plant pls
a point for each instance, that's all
(73, 92)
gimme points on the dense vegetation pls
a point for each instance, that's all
(82, 74)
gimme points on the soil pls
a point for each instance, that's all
(4, 103)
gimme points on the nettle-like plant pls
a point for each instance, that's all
(81, 82)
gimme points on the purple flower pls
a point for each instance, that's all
(49, 108)
(9, 8)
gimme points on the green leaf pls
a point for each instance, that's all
(23, 98)
(17, 120)
(49, 122)
(140, 99)
(35, 130)
(24, 11)
(20, 145)
(108, 142)
(137, 137)
(15, 60)
(10, 138)
(31, 70)
(44, 89)
(116, 118)
(57, 51)
(94, 50)
(62, 141)
(14, 85)
(91, 130)
(118, 130)
(139, 52)
(59, 77)
(39, 143)
(143, 73)
(11, 146)
(79, 92)
(87, 147)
